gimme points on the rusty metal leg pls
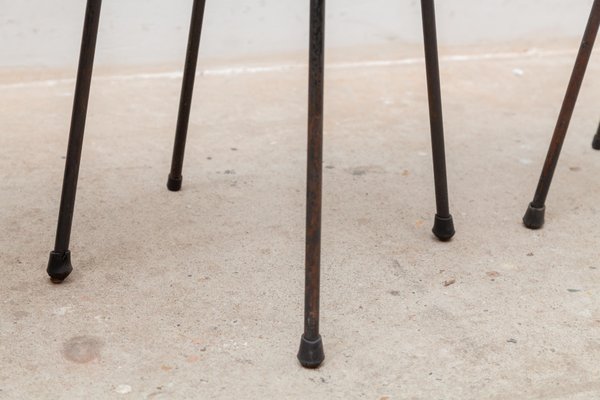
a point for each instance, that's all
(443, 227)
(534, 217)
(59, 264)
(311, 353)
(596, 141)
(187, 89)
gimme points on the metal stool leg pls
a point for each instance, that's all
(311, 353)
(596, 141)
(185, 102)
(443, 227)
(59, 264)
(534, 217)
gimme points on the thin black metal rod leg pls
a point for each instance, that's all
(534, 217)
(187, 89)
(59, 264)
(443, 226)
(311, 353)
(596, 141)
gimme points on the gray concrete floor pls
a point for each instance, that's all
(198, 294)
(47, 33)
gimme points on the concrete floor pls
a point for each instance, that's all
(198, 294)
(146, 32)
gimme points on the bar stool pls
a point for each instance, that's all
(534, 216)
(311, 353)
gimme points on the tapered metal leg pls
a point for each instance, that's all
(534, 217)
(443, 226)
(596, 141)
(187, 89)
(311, 353)
(59, 264)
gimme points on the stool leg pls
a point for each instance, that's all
(443, 227)
(596, 141)
(59, 264)
(311, 353)
(187, 89)
(534, 217)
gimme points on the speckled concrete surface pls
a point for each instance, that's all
(198, 294)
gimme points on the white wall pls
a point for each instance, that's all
(47, 32)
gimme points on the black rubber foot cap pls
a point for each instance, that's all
(443, 228)
(174, 184)
(59, 266)
(596, 142)
(311, 353)
(534, 217)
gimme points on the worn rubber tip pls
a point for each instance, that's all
(59, 266)
(534, 217)
(174, 183)
(596, 142)
(311, 353)
(443, 228)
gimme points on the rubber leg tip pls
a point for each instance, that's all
(174, 183)
(596, 142)
(534, 217)
(311, 354)
(443, 228)
(59, 266)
